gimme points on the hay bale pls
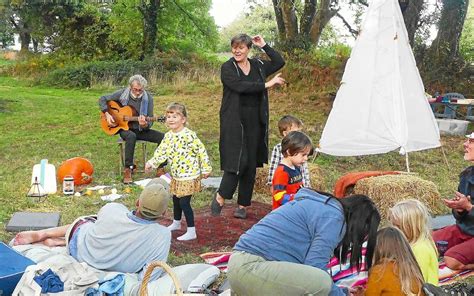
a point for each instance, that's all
(315, 176)
(387, 190)
(261, 181)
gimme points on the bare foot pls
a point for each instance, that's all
(26, 237)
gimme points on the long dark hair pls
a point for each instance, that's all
(362, 221)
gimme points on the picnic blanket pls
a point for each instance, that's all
(350, 179)
(342, 274)
(80, 277)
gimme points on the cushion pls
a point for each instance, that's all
(22, 221)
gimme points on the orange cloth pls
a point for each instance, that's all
(383, 281)
(351, 179)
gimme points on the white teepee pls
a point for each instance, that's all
(380, 105)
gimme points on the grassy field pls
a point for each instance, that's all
(38, 122)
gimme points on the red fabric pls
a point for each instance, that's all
(460, 245)
(351, 179)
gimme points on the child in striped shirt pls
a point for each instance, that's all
(286, 124)
(296, 147)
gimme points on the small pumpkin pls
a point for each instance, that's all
(79, 168)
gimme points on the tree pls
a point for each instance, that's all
(412, 10)
(149, 11)
(6, 32)
(314, 17)
(443, 62)
(180, 25)
(260, 19)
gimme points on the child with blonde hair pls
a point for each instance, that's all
(412, 218)
(395, 270)
(189, 162)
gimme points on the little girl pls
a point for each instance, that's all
(287, 179)
(188, 161)
(411, 217)
(395, 271)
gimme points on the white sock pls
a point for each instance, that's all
(176, 225)
(189, 235)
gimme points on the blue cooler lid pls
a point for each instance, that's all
(12, 266)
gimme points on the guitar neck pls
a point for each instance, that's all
(135, 118)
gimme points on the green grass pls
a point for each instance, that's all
(38, 122)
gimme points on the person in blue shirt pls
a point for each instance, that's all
(286, 253)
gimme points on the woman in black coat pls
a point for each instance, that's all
(243, 143)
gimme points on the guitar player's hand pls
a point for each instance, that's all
(110, 119)
(142, 121)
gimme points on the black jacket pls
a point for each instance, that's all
(231, 129)
(465, 219)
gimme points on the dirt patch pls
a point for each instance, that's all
(216, 233)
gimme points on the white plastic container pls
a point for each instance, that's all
(453, 127)
(46, 175)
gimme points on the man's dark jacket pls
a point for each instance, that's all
(231, 128)
(465, 219)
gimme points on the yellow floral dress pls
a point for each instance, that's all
(187, 159)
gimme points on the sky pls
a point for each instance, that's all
(225, 11)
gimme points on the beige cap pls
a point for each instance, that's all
(153, 201)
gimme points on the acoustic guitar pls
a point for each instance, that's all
(122, 116)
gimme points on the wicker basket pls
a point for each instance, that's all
(167, 268)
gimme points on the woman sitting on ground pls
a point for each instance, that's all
(287, 252)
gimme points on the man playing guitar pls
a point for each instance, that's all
(141, 100)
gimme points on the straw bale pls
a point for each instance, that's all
(315, 177)
(387, 190)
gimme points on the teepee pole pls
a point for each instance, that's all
(407, 162)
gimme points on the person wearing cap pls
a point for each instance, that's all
(460, 237)
(116, 239)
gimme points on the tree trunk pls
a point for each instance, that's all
(442, 64)
(289, 19)
(25, 39)
(411, 16)
(450, 26)
(35, 44)
(307, 17)
(149, 11)
(323, 15)
(279, 20)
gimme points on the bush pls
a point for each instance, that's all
(318, 70)
(116, 72)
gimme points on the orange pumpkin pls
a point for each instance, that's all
(79, 168)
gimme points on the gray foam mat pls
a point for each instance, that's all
(22, 221)
(442, 221)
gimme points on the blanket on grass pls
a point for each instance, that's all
(80, 277)
(342, 274)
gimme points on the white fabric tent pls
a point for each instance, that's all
(380, 105)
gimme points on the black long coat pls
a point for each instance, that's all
(231, 128)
